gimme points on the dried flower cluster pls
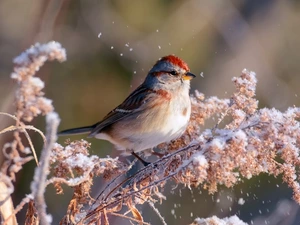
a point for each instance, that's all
(29, 96)
(253, 142)
(244, 142)
(72, 165)
(29, 103)
(73, 162)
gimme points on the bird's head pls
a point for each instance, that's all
(169, 73)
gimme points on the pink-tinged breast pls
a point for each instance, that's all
(164, 94)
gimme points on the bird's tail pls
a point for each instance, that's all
(73, 131)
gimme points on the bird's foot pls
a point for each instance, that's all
(140, 159)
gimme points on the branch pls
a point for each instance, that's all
(38, 186)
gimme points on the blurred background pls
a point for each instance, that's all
(111, 45)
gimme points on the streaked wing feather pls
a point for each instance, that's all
(130, 105)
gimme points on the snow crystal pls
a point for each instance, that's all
(240, 113)
(80, 160)
(15, 76)
(218, 142)
(245, 70)
(27, 150)
(52, 116)
(200, 160)
(241, 135)
(37, 82)
(49, 218)
(241, 201)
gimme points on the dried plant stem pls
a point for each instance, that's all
(19, 207)
(146, 173)
(6, 206)
(112, 182)
(130, 218)
(157, 213)
(38, 185)
(24, 129)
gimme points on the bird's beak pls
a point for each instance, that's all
(188, 76)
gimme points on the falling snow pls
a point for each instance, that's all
(241, 201)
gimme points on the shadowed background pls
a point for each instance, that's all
(111, 45)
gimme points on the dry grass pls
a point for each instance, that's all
(253, 141)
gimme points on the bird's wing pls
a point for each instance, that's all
(133, 103)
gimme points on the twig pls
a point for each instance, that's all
(19, 207)
(24, 129)
(130, 218)
(38, 185)
(6, 205)
(157, 213)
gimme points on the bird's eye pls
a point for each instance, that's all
(174, 73)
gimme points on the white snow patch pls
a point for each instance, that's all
(225, 221)
(200, 160)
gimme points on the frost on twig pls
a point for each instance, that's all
(74, 166)
(38, 186)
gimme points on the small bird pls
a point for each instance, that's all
(157, 111)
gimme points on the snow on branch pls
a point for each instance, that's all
(38, 186)
(233, 220)
(254, 141)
